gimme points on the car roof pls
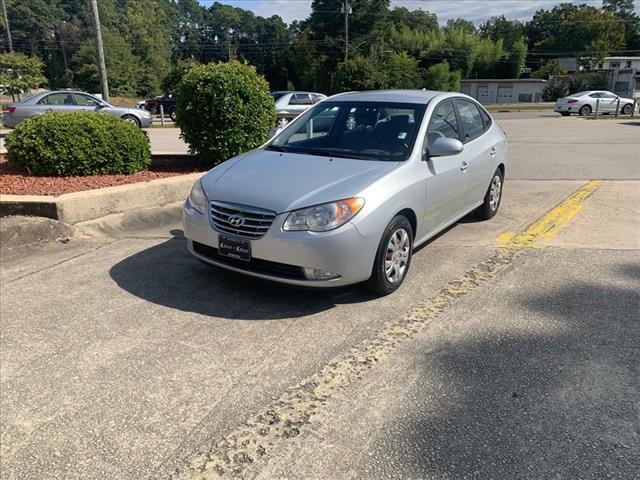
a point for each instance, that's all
(286, 92)
(37, 96)
(394, 96)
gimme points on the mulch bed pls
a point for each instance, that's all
(16, 181)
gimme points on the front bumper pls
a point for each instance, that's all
(343, 251)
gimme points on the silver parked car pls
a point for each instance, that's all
(68, 101)
(291, 104)
(347, 191)
(584, 103)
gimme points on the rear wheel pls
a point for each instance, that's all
(627, 109)
(493, 197)
(393, 257)
(172, 115)
(585, 110)
(132, 120)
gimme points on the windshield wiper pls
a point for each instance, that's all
(275, 148)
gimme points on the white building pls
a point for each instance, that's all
(504, 90)
(610, 63)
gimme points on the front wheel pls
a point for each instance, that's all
(585, 110)
(172, 115)
(132, 120)
(493, 197)
(393, 257)
(627, 109)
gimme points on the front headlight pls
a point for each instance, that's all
(325, 217)
(197, 198)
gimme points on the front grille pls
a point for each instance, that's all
(255, 221)
(255, 265)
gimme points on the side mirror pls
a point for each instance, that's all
(443, 147)
(274, 131)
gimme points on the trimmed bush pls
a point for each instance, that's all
(78, 143)
(224, 109)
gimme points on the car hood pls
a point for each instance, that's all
(286, 181)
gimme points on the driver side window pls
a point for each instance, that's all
(443, 123)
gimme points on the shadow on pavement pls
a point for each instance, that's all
(554, 397)
(166, 274)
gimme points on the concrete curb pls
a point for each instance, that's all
(72, 208)
(22, 231)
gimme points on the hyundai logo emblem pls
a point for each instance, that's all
(236, 220)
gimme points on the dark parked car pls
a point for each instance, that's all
(168, 102)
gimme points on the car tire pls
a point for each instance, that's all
(627, 109)
(393, 257)
(132, 120)
(493, 197)
(584, 110)
(565, 114)
(172, 115)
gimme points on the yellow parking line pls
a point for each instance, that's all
(550, 224)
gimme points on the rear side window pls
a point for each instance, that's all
(316, 97)
(472, 124)
(443, 123)
(300, 99)
(57, 99)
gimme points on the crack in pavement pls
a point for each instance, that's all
(295, 409)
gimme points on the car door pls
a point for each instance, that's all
(479, 149)
(447, 182)
(608, 102)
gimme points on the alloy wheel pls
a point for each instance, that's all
(495, 192)
(397, 256)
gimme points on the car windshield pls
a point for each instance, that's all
(579, 94)
(361, 130)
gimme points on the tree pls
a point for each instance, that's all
(550, 69)
(402, 71)
(583, 31)
(499, 28)
(360, 73)
(439, 77)
(626, 12)
(20, 73)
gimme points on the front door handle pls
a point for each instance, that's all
(493, 151)
(464, 166)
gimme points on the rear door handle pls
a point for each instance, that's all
(464, 166)
(493, 151)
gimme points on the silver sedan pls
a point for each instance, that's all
(347, 190)
(585, 103)
(68, 101)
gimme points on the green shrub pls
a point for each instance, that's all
(78, 143)
(224, 109)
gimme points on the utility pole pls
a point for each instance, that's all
(6, 26)
(101, 66)
(346, 29)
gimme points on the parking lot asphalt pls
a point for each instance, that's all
(126, 358)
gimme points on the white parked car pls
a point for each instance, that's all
(584, 103)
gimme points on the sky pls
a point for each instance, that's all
(475, 10)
